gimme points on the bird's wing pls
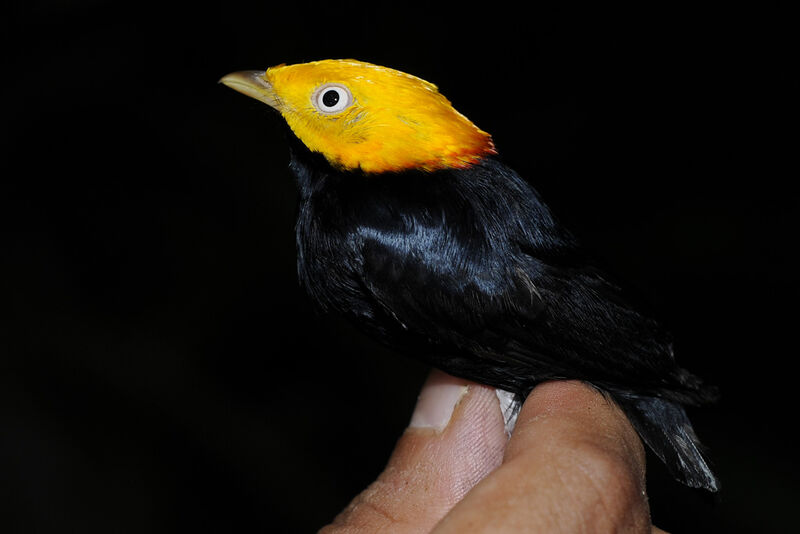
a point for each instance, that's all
(472, 264)
(503, 305)
(456, 299)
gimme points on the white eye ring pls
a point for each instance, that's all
(332, 98)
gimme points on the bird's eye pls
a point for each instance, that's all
(332, 98)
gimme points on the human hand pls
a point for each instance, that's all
(572, 464)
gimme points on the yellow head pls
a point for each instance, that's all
(367, 117)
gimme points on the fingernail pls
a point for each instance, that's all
(437, 400)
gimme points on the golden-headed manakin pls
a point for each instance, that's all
(412, 227)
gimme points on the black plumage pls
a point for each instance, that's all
(468, 270)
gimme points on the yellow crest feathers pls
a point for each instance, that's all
(364, 116)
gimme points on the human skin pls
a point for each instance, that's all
(572, 464)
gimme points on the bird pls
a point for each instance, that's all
(411, 226)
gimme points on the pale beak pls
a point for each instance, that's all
(253, 84)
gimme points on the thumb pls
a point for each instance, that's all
(455, 438)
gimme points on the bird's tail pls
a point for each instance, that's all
(664, 426)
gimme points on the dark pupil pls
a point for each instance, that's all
(330, 98)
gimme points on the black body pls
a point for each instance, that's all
(468, 271)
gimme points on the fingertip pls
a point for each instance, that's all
(574, 410)
(561, 396)
(456, 435)
(454, 439)
(573, 400)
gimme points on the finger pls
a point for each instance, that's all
(573, 464)
(456, 437)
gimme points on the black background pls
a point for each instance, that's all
(161, 369)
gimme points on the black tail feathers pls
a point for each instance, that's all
(664, 426)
